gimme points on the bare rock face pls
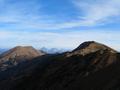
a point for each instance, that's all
(17, 55)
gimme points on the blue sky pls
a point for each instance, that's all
(59, 23)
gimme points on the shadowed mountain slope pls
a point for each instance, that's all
(91, 66)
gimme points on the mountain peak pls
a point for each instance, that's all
(23, 50)
(22, 47)
(19, 54)
(86, 44)
(92, 46)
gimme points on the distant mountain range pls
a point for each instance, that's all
(2, 50)
(91, 66)
(53, 50)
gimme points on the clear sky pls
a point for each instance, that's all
(59, 23)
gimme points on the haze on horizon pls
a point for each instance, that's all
(59, 24)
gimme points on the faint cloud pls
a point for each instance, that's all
(98, 11)
(68, 40)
